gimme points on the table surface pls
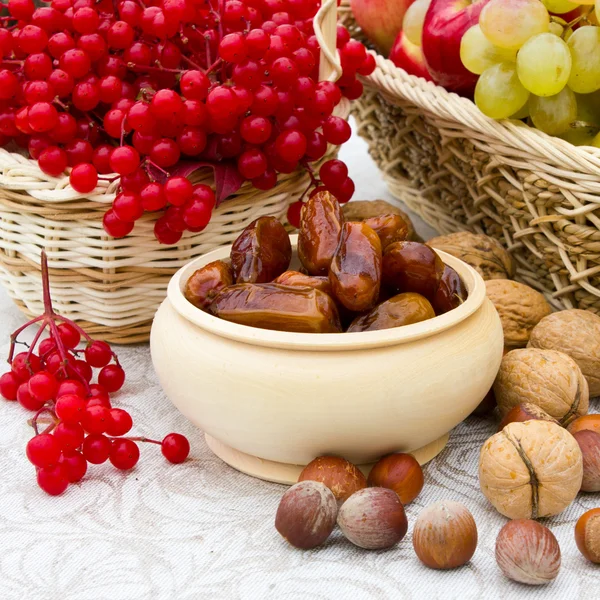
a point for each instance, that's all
(202, 530)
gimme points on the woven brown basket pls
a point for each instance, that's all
(458, 169)
(111, 286)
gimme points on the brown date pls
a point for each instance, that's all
(279, 307)
(295, 278)
(261, 252)
(450, 293)
(202, 287)
(390, 228)
(320, 227)
(355, 272)
(402, 309)
(412, 267)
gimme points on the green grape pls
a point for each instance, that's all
(477, 54)
(556, 28)
(414, 17)
(580, 136)
(588, 108)
(560, 7)
(544, 64)
(585, 53)
(499, 93)
(522, 113)
(596, 141)
(553, 114)
(510, 23)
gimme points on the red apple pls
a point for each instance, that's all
(409, 56)
(446, 22)
(380, 20)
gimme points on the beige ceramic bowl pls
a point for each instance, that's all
(270, 401)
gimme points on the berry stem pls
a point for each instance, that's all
(190, 62)
(34, 420)
(142, 439)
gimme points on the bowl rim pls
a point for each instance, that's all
(324, 341)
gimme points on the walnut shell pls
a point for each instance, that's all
(359, 210)
(520, 308)
(547, 378)
(576, 333)
(485, 254)
(530, 470)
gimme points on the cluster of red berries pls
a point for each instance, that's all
(131, 87)
(54, 380)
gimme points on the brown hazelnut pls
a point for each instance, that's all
(589, 442)
(486, 406)
(530, 470)
(591, 422)
(525, 412)
(373, 518)
(340, 476)
(587, 534)
(306, 514)
(399, 472)
(445, 535)
(528, 552)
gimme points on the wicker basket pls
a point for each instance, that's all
(458, 169)
(114, 286)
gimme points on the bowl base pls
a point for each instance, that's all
(288, 474)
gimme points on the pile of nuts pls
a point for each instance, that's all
(361, 275)
(370, 514)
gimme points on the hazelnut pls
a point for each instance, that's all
(486, 406)
(531, 469)
(445, 535)
(399, 472)
(520, 308)
(576, 333)
(587, 534)
(525, 412)
(589, 442)
(340, 476)
(306, 514)
(528, 552)
(591, 422)
(373, 518)
(548, 378)
(485, 254)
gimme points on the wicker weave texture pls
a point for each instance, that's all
(458, 169)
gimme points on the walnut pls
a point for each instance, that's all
(485, 254)
(520, 308)
(576, 333)
(530, 470)
(359, 210)
(547, 378)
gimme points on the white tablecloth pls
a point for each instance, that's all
(201, 530)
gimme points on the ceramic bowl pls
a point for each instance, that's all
(270, 401)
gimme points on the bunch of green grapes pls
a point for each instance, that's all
(537, 66)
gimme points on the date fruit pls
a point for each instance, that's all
(390, 228)
(451, 292)
(412, 267)
(261, 252)
(319, 235)
(297, 279)
(402, 309)
(355, 272)
(202, 287)
(278, 307)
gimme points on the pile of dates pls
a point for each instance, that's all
(355, 276)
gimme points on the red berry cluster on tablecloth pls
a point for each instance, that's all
(132, 87)
(53, 378)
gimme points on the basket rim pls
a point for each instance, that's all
(395, 81)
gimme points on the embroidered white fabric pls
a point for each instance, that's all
(201, 530)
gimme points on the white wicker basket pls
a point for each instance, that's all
(114, 286)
